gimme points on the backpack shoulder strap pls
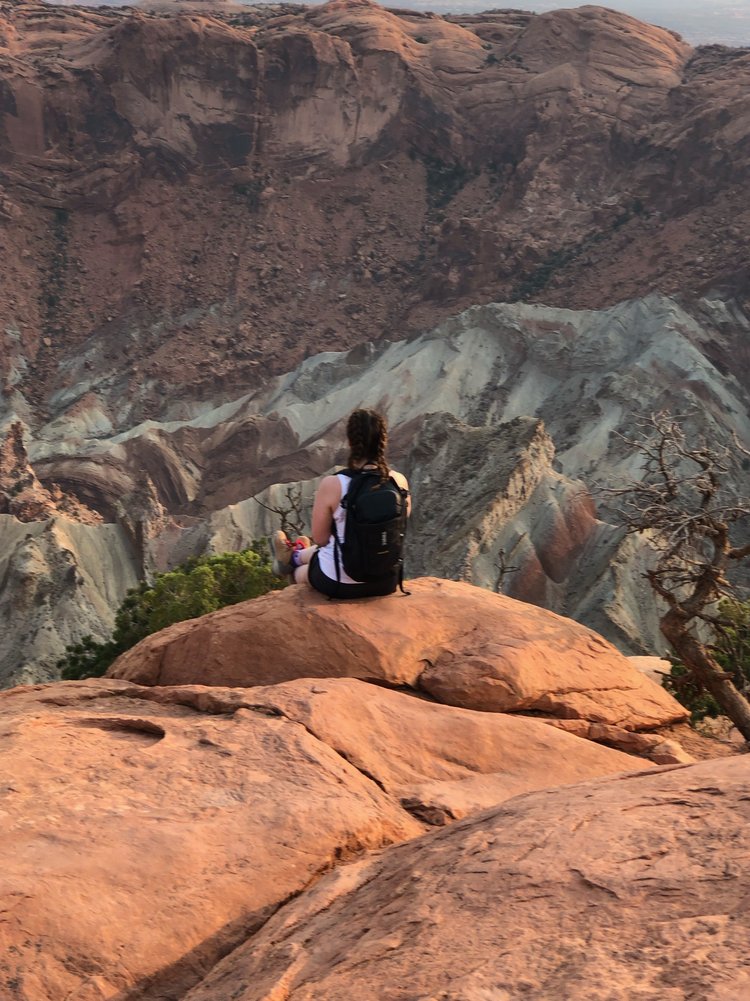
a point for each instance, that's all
(359, 478)
(404, 491)
(355, 476)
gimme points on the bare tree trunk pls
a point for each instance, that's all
(707, 670)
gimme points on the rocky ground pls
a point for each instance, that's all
(368, 830)
(609, 890)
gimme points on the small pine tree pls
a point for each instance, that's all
(732, 644)
(731, 649)
(203, 584)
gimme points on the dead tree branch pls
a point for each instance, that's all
(290, 515)
(503, 569)
(682, 501)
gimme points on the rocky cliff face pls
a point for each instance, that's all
(221, 231)
(494, 503)
(191, 200)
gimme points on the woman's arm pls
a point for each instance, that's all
(402, 482)
(327, 498)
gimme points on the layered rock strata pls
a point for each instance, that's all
(61, 580)
(494, 503)
(191, 198)
(297, 180)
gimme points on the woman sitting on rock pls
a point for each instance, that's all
(358, 522)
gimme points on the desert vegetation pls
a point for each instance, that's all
(730, 646)
(695, 524)
(201, 585)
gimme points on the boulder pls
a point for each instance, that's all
(144, 839)
(438, 761)
(656, 668)
(655, 746)
(463, 645)
(610, 890)
(167, 824)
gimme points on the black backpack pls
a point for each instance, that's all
(374, 528)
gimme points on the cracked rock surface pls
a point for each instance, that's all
(144, 839)
(148, 832)
(459, 643)
(628, 887)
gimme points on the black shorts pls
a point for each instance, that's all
(332, 588)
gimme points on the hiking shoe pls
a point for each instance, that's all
(281, 553)
(302, 543)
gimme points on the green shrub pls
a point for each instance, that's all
(88, 659)
(732, 645)
(201, 585)
(680, 683)
(731, 649)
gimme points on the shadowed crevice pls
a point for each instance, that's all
(143, 729)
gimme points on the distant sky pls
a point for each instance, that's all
(700, 22)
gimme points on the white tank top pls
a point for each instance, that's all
(326, 558)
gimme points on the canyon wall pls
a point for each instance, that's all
(191, 201)
(508, 419)
(222, 229)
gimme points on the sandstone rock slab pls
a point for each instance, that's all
(607, 891)
(439, 762)
(654, 746)
(167, 824)
(143, 839)
(464, 646)
(656, 668)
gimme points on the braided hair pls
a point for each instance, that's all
(367, 434)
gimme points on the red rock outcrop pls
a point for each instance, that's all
(147, 832)
(155, 837)
(193, 198)
(613, 889)
(440, 762)
(462, 645)
(24, 496)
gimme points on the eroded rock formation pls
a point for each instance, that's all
(609, 889)
(476, 408)
(167, 825)
(61, 580)
(23, 496)
(190, 199)
(223, 228)
(460, 644)
(195, 201)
